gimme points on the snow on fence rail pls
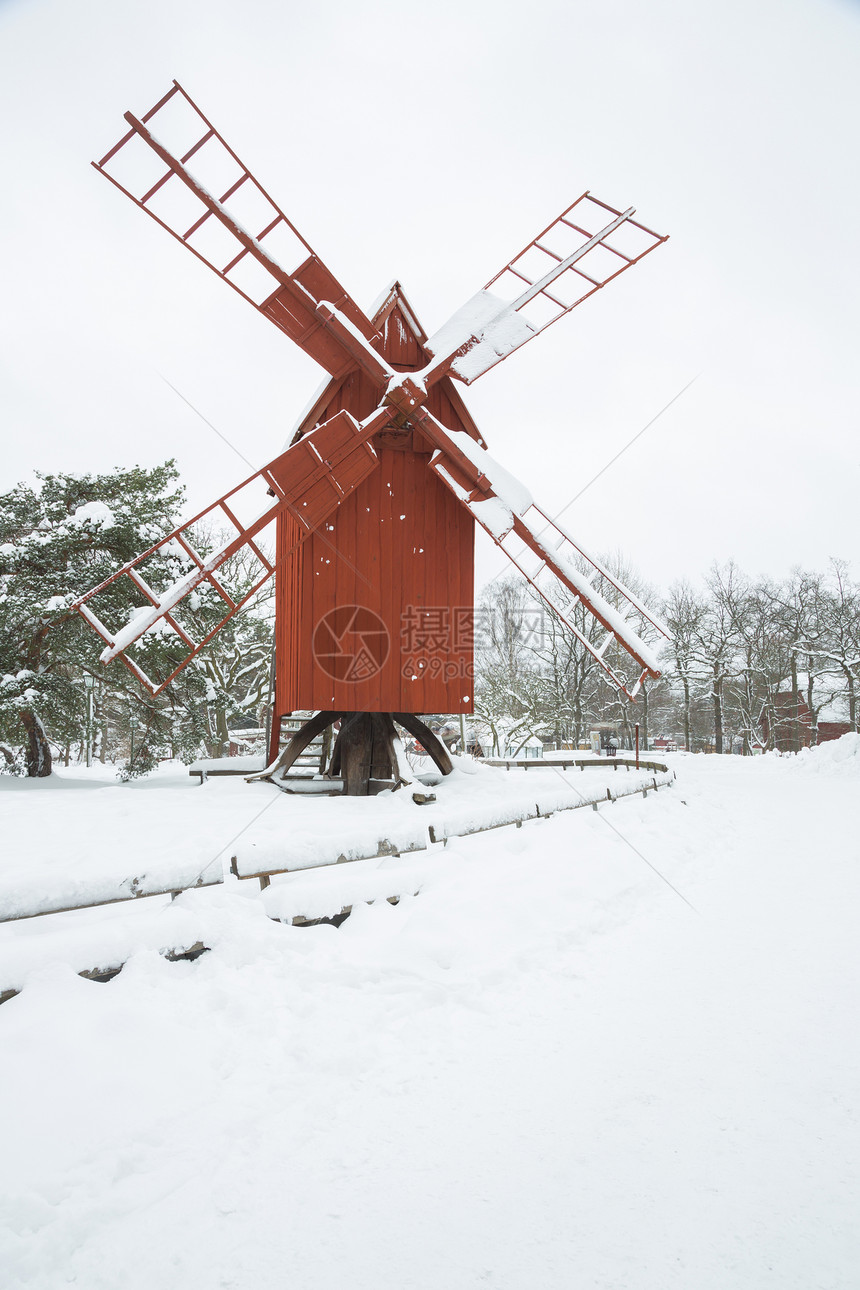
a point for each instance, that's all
(19, 900)
(264, 858)
(578, 763)
(351, 829)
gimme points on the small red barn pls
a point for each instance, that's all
(792, 729)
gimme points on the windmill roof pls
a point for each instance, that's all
(385, 302)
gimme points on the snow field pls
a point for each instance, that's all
(545, 1070)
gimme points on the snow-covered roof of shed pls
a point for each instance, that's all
(835, 710)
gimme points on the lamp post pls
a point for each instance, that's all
(89, 682)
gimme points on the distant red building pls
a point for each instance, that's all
(793, 729)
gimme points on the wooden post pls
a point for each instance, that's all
(367, 756)
(356, 749)
(431, 743)
(637, 745)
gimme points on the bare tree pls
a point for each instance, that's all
(838, 642)
(717, 637)
(503, 664)
(685, 611)
(792, 619)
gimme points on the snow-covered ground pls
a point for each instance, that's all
(88, 838)
(546, 1070)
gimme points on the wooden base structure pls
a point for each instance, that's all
(367, 753)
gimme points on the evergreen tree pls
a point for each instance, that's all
(58, 538)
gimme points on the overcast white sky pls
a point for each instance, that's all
(429, 143)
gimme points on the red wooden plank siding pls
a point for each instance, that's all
(388, 565)
(427, 535)
(390, 590)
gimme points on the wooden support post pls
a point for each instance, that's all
(425, 736)
(356, 748)
(383, 758)
(365, 753)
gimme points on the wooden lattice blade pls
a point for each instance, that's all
(228, 220)
(585, 248)
(505, 510)
(309, 481)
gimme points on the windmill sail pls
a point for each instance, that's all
(309, 480)
(585, 248)
(559, 269)
(228, 220)
(565, 574)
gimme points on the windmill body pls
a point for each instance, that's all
(392, 569)
(367, 520)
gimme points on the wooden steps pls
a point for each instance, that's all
(312, 760)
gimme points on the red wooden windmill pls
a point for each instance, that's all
(375, 502)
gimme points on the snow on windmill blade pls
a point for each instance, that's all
(561, 267)
(502, 505)
(468, 328)
(549, 536)
(563, 539)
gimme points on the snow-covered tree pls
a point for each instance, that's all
(63, 535)
(503, 665)
(534, 676)
(739, 646)
(58, 537)
(237, 662)
(717, 638)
